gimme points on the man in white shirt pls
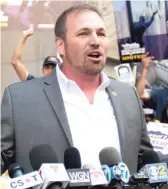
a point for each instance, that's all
(77, 105)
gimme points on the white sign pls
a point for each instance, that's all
(158, 134)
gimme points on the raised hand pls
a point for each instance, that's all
(146, 61)
(29, 32)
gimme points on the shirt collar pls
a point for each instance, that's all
(105, 81)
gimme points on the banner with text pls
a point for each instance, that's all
(158, 134)
(142, 26)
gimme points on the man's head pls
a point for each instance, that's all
(81, 40)
(49, 63)
(142, 19)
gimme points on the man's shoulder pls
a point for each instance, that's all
(27, 85)
(120, 86)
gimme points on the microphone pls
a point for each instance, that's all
(113, 168)
(148, 157)
(109, 156)
(78, 177)
(21, 180)
(40, 154)
(154, 169)
(15, 170)
(54, 175)
(72, 159)
(138, 178)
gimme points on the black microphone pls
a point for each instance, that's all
(54, 174)
(138, 178)
(150, 156)
(114, 170)
(40, 154)
(15, 170)
(78, 177)
(72, 159)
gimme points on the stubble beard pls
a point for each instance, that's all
(87, 68)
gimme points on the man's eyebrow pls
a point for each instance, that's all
(89, 29)
(102, 29)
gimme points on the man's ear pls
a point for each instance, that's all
(59, 43)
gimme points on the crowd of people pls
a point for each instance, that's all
(153, 98)
(76, 104)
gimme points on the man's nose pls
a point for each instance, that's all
(94, 40)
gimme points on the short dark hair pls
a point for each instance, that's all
(60, 26)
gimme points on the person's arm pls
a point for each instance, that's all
(140, 86)
(151, 20)
(21, 69)
(7, 131)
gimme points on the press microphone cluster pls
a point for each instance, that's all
(50, 174)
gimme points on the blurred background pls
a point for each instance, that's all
(120, 18)
(18, 15)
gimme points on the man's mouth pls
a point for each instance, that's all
(95, 56)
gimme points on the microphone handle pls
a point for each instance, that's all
(54, 186)
(155, 187)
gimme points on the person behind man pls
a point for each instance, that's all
(21, 70)
(140, 27)
(77, 105)
(159, 96)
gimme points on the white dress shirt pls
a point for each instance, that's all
(93, 126)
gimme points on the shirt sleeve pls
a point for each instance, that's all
(158, 93)
(29, 77)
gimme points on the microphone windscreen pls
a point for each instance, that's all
(40, 154)
(72, 159)
(13, 168)
(149, 157)
(109, 156)
(88, 166)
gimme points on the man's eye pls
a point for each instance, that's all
(102, 34)
(83, 34)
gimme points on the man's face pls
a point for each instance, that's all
(85, 46)
(47, 69)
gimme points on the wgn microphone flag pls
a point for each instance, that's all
(78, 177)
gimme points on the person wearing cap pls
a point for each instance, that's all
(21, 70)
(49, 63)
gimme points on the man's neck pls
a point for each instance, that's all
(86, 83)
